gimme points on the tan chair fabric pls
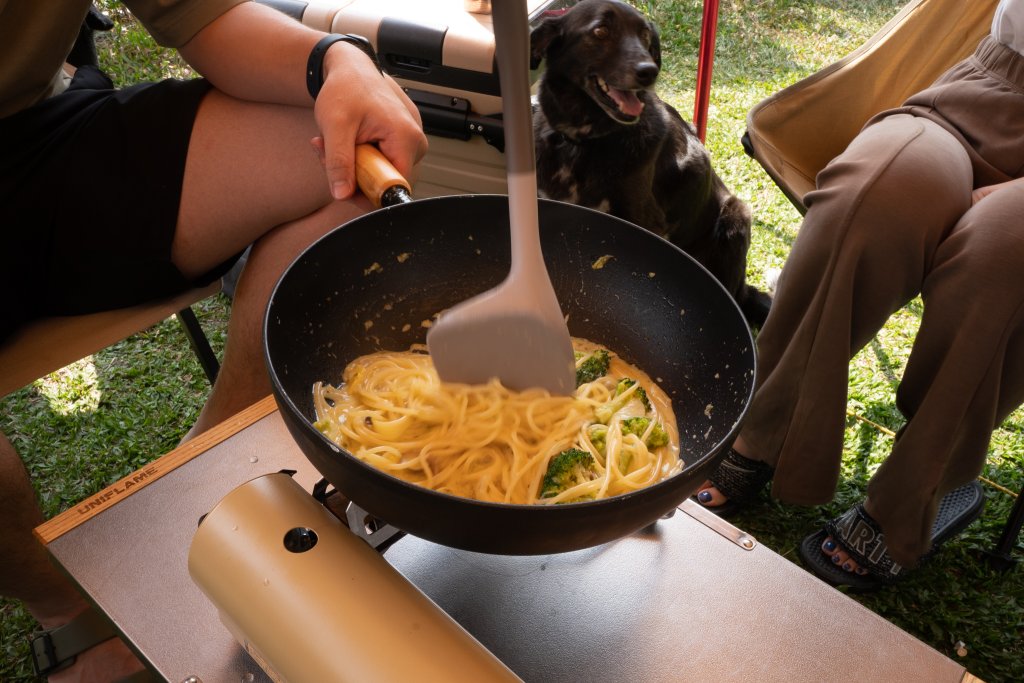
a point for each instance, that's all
(49, 344)
(797, 131)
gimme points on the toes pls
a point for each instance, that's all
(840, 557)
(709, 496)
(849, 566)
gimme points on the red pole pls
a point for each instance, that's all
(705, 61)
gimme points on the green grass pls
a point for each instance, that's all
(99, 419)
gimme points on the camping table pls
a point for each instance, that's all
(691, 598)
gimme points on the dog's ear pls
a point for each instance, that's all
(655, 44)
(541, 38)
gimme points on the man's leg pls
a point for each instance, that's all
(27, 574)
(872, 227)
(964, 376)
(965, 373)
(251, 176)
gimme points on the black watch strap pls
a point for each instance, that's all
(315, 65)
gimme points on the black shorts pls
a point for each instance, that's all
(90, 183)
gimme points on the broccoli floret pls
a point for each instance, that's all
(598, 434)
(625, 383)
(593, 365)
(638, 425)
(567, 469)
(605, 411)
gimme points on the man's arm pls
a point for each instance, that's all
(254, 52)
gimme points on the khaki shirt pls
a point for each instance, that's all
(36, 37)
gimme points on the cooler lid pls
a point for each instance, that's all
(440, 42)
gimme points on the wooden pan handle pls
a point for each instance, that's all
(376, 176)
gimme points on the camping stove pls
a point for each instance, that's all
(310, 600)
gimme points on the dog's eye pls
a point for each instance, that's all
(645, 36)
(601, 32)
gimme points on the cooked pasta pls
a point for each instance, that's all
(615, 435)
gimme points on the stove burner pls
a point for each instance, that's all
(377, 533)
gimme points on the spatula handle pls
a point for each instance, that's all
(512, 54)
(379, 180)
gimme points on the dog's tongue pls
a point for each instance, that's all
(629, 103)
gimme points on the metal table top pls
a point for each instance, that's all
(690, 598)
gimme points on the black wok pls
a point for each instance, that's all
(371, 283)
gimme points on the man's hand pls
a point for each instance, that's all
(253, 52)
(358, 104)
(985, 191)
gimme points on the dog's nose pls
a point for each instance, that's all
(646, 73)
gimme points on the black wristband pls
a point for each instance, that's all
(315, 64)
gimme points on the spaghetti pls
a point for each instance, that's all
(616, 434)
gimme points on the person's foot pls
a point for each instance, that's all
(734, 483)
(851, 550)
(709, 496)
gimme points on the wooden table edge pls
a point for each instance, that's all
(95, 504)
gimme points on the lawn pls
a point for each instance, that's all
(97, 420)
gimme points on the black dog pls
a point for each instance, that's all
(606, 141)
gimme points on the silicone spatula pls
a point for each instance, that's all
(516, 331)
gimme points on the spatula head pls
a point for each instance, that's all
(482, 338)
(516, 331)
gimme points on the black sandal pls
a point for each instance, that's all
(740, 480)
(857, 534)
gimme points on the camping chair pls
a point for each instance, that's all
(794, 133)
(46, 345)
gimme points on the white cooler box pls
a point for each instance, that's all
(442, 53)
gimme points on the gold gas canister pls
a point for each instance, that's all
(311, 602)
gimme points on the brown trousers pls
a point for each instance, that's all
(892, 218)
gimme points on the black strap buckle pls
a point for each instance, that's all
(44, 655)
(55, 649)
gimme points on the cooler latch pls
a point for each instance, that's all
(451, 117)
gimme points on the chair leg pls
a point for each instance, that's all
(1001, 557)
(200, 344)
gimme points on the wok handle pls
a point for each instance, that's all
(378, 179)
